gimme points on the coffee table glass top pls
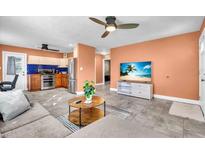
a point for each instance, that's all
(96, 101)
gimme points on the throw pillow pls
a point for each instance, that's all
(13, 103)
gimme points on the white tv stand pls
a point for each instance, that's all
(136, 89)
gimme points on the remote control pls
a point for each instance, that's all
(78, 102)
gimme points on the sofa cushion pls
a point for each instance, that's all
(115, 127)
(36, 112)
(13, 103)
(47, 127)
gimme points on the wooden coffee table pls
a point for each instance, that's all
(85, 114)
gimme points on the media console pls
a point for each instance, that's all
(136, 89)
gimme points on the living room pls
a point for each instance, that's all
(78, 77)
(153, 75)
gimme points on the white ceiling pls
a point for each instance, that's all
(64, 32)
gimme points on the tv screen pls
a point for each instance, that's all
(136, 71)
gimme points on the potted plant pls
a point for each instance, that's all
(89, 91)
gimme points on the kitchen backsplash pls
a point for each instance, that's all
(33, 68)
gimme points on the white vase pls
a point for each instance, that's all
(89, 99)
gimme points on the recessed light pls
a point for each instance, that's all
(70, 45)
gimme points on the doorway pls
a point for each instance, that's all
(15, 63)
(202, 71)
(107, 71)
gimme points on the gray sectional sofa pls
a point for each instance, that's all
(115, 127)
(34, 123)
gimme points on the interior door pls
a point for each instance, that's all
(202, 71)
(20, 68)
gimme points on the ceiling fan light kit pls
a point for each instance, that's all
(111, 26)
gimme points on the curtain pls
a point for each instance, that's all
(11, 65)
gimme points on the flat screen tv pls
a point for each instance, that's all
(136, 71)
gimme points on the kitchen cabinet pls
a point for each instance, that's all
(61, 80)
(52, 61)
(65, 80)
(49, 61)
(43, 60)
(33, 60)
(34, 82)
(63, 62)
(58, 80)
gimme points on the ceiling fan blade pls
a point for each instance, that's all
(53, 49)
(127, 26)
(45, 47)
(105, 34)
(97, 21)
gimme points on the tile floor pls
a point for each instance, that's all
(153, 114)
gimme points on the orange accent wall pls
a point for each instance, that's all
(28, 51)
(86, 60)
(174, 64)
(99, 68)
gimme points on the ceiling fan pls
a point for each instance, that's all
(45, 47)
(111, 26)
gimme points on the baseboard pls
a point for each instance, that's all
(113, 89)
(97, 84)
(177, 99)
(79, 92)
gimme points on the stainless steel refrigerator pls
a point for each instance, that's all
(72, 75)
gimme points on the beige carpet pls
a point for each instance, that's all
(187, 111)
